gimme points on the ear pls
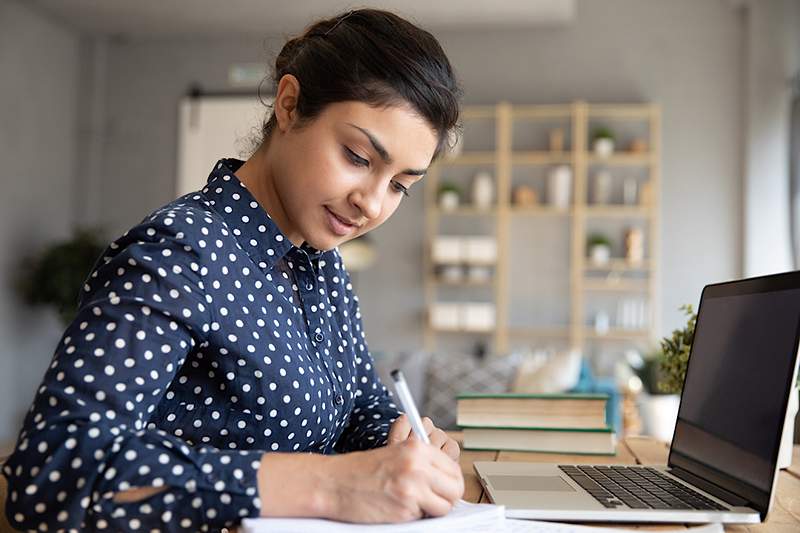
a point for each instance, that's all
(285, 106)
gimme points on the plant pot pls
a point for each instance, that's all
(659, 413)
(604, 146)
(787, 437)
(599, 254)
(449, 200)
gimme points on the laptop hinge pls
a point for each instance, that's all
(724, 495)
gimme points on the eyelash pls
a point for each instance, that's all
(361, 162)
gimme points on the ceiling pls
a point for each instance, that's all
(179, 18)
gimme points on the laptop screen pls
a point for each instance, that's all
(735, 393)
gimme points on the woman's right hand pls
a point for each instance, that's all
(395, 483)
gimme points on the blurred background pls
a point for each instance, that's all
(617, 156)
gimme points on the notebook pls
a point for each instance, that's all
(464, 517)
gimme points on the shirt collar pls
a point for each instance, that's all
(250, 223)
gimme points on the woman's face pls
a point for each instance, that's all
(344, 174)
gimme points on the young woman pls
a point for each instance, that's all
(220, 337)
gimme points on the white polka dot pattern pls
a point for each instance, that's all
(204, 339)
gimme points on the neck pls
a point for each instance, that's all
(257, 174)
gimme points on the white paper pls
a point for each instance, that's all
(465, 516)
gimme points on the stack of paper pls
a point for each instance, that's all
(464, 517)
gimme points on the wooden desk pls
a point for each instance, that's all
(784, 517)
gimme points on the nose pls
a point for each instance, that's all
(369, 198)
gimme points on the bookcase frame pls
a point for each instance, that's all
(579, 156)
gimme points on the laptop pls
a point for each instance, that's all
(723, 456)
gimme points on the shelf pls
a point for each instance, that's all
(462, 283)
(541, 210)
(462, 262)
(541, 111)
(618, 211)
(618, 265)
(540, 158)
(470, 158)
(554, 331)
(616, 286)
(466, 211)
(620, 159)
(617, 334)
(513, 145)
(626, 111)
(463, 330)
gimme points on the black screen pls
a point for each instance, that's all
(734, 398)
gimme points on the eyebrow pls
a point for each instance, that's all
(376, 144)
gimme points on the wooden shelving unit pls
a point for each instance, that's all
(586, 280)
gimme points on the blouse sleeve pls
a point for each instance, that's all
(86, 435)
(374, 410)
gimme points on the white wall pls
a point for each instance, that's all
(683, 54)
(38, 107)
(773, 57)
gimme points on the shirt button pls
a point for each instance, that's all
(339, 399)
(309, 286)
(318, 336)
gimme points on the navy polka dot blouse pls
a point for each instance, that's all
(204, 339)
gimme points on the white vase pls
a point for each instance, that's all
(559, 185)
(787, 437)
(659, 414)
(482, 190)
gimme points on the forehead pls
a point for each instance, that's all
(404, 133)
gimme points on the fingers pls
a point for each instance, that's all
(433, 504)
(446, 484)
(427, 423)
(400, 430)
(452, 449)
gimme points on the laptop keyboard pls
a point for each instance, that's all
(637, 487)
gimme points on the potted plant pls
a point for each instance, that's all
(603, 142)
(599, 249)
(55, 276)
(449, 196)
(674, 359)
(658, 408)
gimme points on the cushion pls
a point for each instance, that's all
(452, 374)
(412, 364)
(540, 374)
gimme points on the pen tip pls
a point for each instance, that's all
(396, 374)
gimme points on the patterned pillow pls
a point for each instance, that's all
(452, 374)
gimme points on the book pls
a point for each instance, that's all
(533, 439)
(574, 411)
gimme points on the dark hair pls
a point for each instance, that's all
(371, 56)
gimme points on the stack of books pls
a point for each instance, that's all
(553, 423)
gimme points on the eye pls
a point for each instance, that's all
(399, 187)
(355, 159)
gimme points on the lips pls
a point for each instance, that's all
(343, 220)
(338, 225)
